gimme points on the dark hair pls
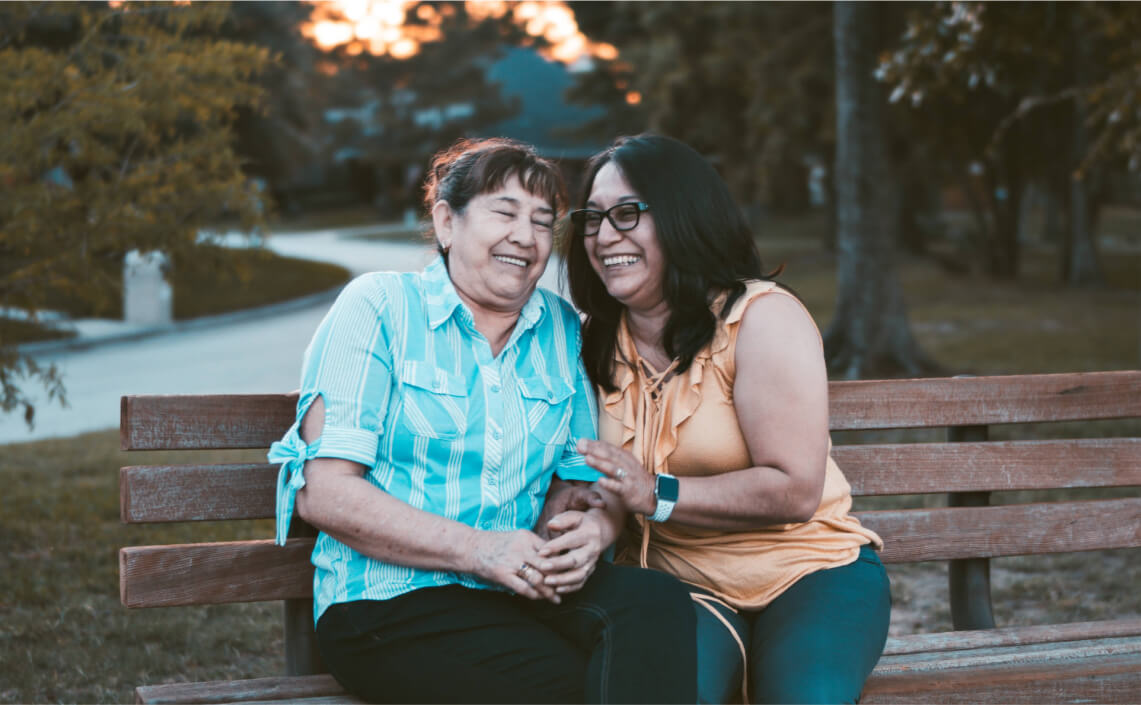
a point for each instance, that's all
(707, 245)
(474, 166)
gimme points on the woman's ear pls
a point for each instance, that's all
(443, 224)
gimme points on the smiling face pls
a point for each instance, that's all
(630, 263)
(498, 245)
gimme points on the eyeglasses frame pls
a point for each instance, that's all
(640, 208)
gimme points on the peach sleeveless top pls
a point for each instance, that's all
(687, 425)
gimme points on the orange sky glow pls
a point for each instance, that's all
(378, 26)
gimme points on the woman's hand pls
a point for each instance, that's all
(567, 561)
(512, 559)
(624, 475)
(563, 496)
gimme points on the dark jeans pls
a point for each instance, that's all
(628, 636)
(816, 643)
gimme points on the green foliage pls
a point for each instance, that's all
(281, 141)
(1115, 101)
(748, 84)
(117, 125)
(1020, 56)
(1042, 93)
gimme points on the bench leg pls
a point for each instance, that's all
(302, 657)
(969, 578)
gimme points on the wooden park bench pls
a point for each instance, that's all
(1077, 662)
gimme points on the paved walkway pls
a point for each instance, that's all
(255, 351)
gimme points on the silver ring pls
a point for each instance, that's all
(621, 473)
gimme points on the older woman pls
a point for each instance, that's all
(435, 409)
(714, 431)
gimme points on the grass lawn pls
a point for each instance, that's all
(218, 281)
(64, 637)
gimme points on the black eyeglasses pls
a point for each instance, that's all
(623, 217)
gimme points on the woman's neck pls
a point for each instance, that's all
(647, 328)
(493, 324)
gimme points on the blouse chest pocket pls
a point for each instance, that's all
(547, 408)
(435, 403)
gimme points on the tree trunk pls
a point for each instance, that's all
(870, 334)
(1027, 213)
(1083, 265)
(829, 240)
(1055, 202)
(913, 207)
(1004, 202)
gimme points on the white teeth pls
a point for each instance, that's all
(511, 260)
(620, 260)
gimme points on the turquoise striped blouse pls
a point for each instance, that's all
(413, 393)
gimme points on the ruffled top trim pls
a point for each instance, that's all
(620, 405)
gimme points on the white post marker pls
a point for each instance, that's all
(147, 296)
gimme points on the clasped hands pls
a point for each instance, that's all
(542, 567)
(559, 556)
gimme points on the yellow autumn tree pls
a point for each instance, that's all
(115, 135)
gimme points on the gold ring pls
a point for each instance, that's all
(522, 572)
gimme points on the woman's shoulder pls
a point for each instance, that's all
(378, 290)
(765, 314)
(389, 284)
(757, 289)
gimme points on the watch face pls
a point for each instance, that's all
(666, 488)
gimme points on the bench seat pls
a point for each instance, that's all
(1084, 661)
(1077, 662)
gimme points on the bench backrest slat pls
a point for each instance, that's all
(968, 401)
(168, 493)
(204, 421)
(241, 571)
(1008, 530)
(215, 573)
(923, 468)
(188, 422)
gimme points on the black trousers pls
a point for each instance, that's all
(628, 636)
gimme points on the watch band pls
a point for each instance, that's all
(666, 491)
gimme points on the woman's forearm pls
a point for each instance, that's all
(340, 502)
(743, 500)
